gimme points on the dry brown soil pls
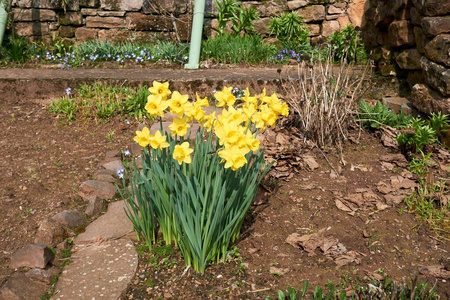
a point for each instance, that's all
(43, 160)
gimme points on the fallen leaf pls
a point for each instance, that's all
(384, 188)
(399, 182)
(435, 271)
(279, 271)
(342, 206)
(393, 199)
(310, 162)
(381, 206)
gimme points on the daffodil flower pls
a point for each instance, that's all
(179, 126)
(179, 104)
(143, 137)
(225, 97)
(161, 89)
(182, 153)
(158, 141)
(155, 106)
(234, 157)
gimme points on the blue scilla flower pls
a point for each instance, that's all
(120, 172)
(126, 153)
(68, 91)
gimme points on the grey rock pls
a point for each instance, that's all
(20, 287)
(70, 218)
(95, 206)
(32, 256)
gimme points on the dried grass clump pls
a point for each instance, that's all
(323, 98)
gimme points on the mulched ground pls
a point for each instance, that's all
(44, 160)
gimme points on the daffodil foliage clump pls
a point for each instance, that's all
(199, 193)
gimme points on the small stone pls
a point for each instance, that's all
(104, 190)
(95, 206)
(112, 153)
(32, 256)
(136, 150)
(21, 287)
(113, 165)
(70, 218)
(106, 178)
(50, 232)
(39, 275)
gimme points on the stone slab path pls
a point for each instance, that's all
(104, 259)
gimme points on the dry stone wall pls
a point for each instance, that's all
(411, 39)
(150, 20)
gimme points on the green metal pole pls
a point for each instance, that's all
(196, 35)
(3, 19)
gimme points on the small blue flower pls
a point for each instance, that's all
(68, 91)
(119, 173)
(126, 153)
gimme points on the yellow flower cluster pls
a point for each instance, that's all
(235, 127)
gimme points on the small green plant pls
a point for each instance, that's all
(377, 289)
(58, 163)
(242, 19)
(65, 253)
(100, 101)
(381, 115)
(234, 49)
(290, 29)
(15, 49)
(420, 135)
(65, 107)
(347, 45)
(110, 136)
(426, 201)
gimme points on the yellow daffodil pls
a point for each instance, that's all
(278, 107)
(265, 117)
(155, 105)
(263, 98)
(182, 153)
(249, 110)
(234, 157)
(228, 133)
(249, 100)
(143, 137)
(179, 104)
(208, 121)
(161, 89)
(225, 97)
(252, 143)
(202, 102)
(231, 115)
(195, 113)
(158, 141)
(179, 126)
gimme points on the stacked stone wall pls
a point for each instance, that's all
(151, 20)
(411, 39)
